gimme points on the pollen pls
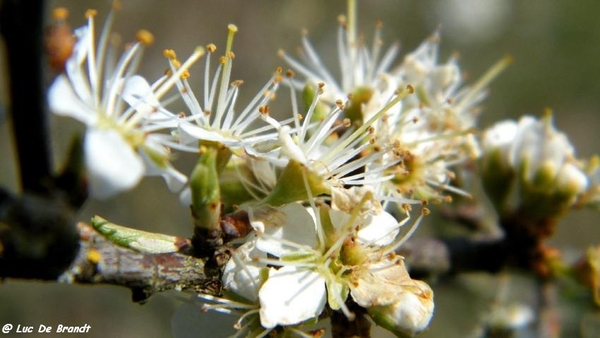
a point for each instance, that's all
(145, 37)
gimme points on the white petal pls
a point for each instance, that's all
(190, 133)
(290, 296)
(63, 101)
(242, 272)
(138, 94)
(379, 229)
(113, 166)
(277, 227)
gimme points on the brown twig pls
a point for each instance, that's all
(100, 261)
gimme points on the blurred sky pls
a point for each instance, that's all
(556, 50)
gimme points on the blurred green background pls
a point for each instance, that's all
(556, 50)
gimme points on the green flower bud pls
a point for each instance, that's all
(206, 194)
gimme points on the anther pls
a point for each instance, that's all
(90, 13)
(211, 48)
(145, 37)
(60, 13)
(169, 54)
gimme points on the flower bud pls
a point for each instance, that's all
(530, 166)
(409, 315)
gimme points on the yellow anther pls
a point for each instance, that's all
(222, 60)
(145, 37)
(60, 13)
(211, 47)
(94, 256)
(169, 54)
(90, 13)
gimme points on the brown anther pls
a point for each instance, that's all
(347, 122)
(424, 202)
(377, 148)
(372, 141)
(448, 199)
(425, 211)
(410, 89)
(371, 130)
(321, 85)
(59, 40)
(289, 73)
(339, 103)
(181, 115)
(279, 70)
(211, 48)
(237, 83)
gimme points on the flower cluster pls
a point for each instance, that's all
(530, 168)
(331, 191)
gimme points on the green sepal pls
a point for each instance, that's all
(206, 194)
(360, 96)
(290, 185)
(308, 96)
(142, 241)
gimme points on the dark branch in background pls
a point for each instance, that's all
(21, 24)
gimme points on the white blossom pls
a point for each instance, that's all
(121, 143)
